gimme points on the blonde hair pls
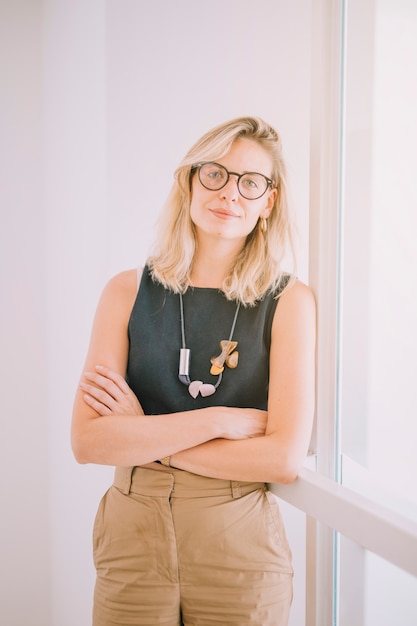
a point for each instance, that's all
(258, 268)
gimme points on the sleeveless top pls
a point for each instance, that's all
(155, 340)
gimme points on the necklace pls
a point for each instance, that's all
(227, 356)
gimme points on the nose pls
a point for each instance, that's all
(230, 191)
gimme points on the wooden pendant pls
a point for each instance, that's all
(226, 356)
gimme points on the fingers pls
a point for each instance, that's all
(115, 377)
(107, 393)
(98, 407)
(94, 384)
(101, 392)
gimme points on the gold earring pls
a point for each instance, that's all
(264, 225)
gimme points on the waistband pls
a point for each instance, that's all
(178, 484)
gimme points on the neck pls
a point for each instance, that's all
(212, 264)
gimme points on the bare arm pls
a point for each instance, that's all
(279, 454)
(109, 426)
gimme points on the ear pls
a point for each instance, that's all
(270, 201)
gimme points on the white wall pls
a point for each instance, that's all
(24, 519)
(97, 94)
(77, 230)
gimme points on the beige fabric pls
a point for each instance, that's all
(177, 549)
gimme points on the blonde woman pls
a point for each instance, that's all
(199, 387)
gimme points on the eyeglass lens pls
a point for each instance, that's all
(214, 176)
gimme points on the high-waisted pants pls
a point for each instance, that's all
(177, 549)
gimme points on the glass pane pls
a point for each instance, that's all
(378, 407)
(374, 592)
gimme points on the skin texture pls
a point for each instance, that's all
(109, 426)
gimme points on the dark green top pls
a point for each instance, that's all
(155, 342)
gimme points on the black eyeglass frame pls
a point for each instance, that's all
(269, 182)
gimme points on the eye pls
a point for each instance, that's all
(215, 174)
(252, 181)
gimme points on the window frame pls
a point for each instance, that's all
(330, 507)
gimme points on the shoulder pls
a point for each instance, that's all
(120, 292)
(124, 281)
(297, 294)
(296, 308)
(125, 284)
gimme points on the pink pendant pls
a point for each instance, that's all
(194, 388)
(207, 390)
(197, 386)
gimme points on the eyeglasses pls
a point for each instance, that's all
(214, 176)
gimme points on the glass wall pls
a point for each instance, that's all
(378, 300)
(379, 255)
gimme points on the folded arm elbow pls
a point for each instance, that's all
(286, 468)
(79, 452)
(80, 447)
(288, 476)
(284, 475)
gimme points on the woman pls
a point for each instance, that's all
(217, 348)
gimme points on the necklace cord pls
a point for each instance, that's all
(184, 374)
(232, 330)
(182, 322)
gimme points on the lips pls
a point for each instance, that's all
(223, 213)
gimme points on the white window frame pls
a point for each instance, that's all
(329, 506)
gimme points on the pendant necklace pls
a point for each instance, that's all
(227, 357)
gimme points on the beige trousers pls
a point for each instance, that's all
(177, 549)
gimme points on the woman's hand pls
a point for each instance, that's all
(107, 393)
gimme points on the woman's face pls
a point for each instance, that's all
(225, 213)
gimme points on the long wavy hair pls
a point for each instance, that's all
(259, 267)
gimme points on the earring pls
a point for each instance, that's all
(264, 225)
